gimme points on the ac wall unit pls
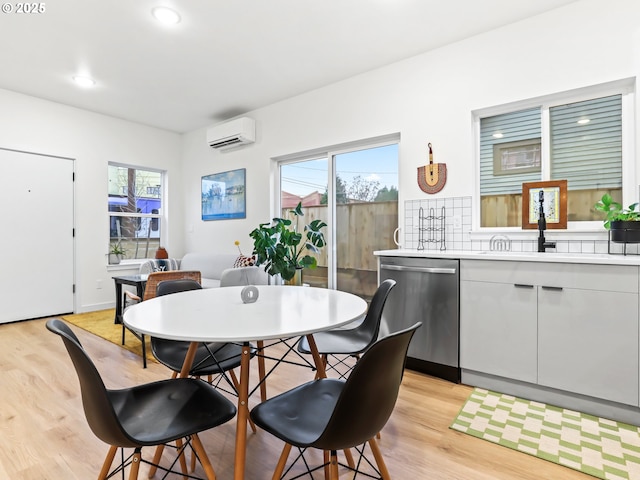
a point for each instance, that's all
(240, 131)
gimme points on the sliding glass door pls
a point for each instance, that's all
(355, 191)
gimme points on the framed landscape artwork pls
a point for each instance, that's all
(223, 195)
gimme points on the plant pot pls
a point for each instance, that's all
(623, 231)
(114, 259)
(296, 280)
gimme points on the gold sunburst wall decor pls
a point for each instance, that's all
(432, 177)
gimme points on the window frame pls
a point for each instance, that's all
(624, 87)
(161, 215)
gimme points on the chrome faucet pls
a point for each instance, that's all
(542, 226)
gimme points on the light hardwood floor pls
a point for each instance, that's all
(45, 435)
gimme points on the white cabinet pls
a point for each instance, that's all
(572, 327)
(588, 343)
(498, 329)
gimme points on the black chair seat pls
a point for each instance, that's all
(171, 353)
(194, 405)
(338, 342)
(300, 415)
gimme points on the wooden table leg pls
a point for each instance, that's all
(261, 371)
(188, 360)
(317, 359)
(243, 411)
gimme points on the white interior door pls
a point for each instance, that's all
(36, 214)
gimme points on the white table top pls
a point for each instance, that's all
(218, 314)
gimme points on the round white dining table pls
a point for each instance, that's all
(219, 315)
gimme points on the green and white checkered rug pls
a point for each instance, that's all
(595, 446)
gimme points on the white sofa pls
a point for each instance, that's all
(214, 266)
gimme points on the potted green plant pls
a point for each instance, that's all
(116, 252)
(623, 223)
(283, 250)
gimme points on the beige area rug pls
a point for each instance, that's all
(101, 323)
(596, 446)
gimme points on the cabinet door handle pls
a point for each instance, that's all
(547, 287)
(522, 285)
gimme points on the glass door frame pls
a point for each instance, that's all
(329, 153)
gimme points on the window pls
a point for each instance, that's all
(135, 209)
(576, 137)
(354, 189)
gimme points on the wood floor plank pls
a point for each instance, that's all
(45, 435)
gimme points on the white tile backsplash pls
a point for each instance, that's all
(457, 223)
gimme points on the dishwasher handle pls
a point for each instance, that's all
(401, 268)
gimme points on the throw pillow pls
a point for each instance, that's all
(244, 261)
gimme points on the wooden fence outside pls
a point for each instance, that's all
(361, 229)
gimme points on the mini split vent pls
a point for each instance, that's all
(240, 131)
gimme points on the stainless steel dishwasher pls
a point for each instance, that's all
(427, 290)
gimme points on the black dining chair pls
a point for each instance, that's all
(150, 291)
(151, 414)
(339, 345)
(333, 414)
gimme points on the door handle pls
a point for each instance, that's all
(547, 287)
(399, 268)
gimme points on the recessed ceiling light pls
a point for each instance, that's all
(583, 121)
(84, 81)
(498, 135)
(166, 15)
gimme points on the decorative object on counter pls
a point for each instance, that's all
(116, 252)
(623, 223)
(249, 294)
(433, 227)
(596, 446)
(279, 247)
(500, 243)
(161, 253)
(432, 177)
(396, 237)
(554, 204)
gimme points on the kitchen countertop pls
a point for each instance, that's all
(552, 257)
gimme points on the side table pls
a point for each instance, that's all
(138, 281)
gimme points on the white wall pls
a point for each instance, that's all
(427, 98)
(35, 125)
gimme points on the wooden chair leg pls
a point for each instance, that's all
(156, 460)
(349, 457)
(333, 466)
(135, 465)
(202, 455)
(181, 457)
(326, 458)
(108, 461)
(282, 462)
(379, 460)
(193, 462)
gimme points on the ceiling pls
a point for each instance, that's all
(224, 58)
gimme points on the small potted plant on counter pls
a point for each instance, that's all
(623, 223)
(116, 252)
(280, 248)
